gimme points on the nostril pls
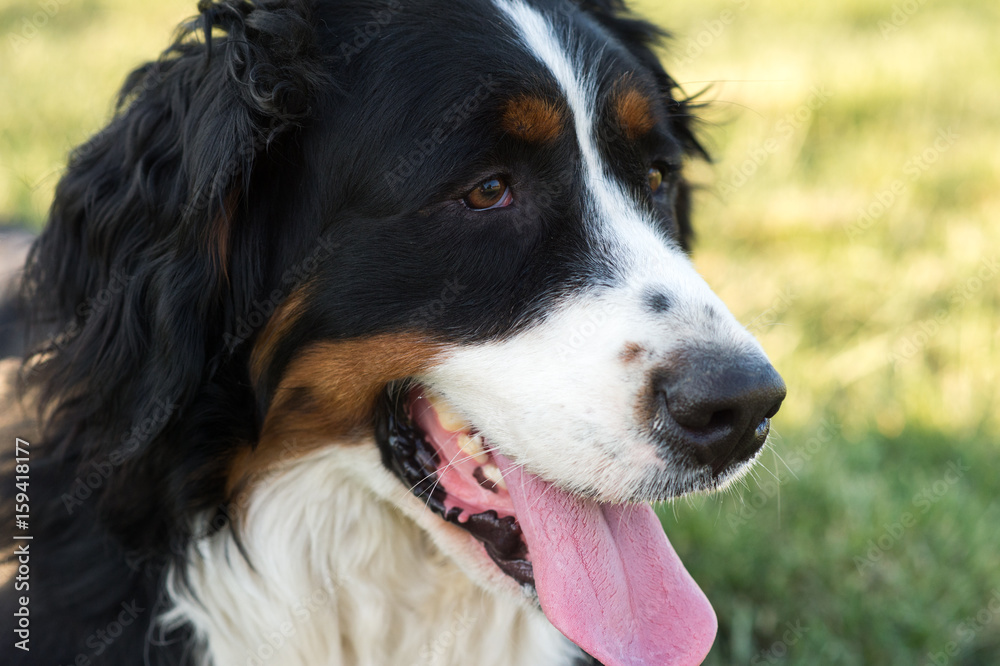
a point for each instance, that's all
(724, 418)
(698, 418)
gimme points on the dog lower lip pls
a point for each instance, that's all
(408, 453)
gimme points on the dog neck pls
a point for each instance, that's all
(334, 572)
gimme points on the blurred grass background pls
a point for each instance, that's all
(846, 221)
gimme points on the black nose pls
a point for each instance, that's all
(717, 404)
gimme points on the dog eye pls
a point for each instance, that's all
(655, 176)
(491, 193)
(661, 173)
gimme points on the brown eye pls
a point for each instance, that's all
(655, 177)
(491, 193)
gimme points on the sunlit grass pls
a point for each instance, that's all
(885, 327)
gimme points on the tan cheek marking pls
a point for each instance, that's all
(634, 112)
(328, 394)
(533, 119)
(277, 328)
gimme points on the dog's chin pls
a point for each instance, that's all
(453, 469)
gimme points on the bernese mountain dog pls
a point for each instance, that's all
(364, 335)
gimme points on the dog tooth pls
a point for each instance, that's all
(492, 472)
(473, 446)
(448, 419)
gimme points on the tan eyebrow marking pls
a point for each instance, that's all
(634, 110)
(533, 119)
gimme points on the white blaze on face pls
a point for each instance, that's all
(558, 397)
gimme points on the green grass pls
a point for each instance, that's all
(886, 331)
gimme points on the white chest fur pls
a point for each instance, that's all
(340, 575)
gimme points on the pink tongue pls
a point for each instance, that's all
(607, 577)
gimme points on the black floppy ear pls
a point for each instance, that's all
(132, 281)
(641, 37)
(187, 130)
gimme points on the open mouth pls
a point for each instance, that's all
(446, 463)
(605, 574)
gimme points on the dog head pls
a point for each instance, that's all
(456, 231)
